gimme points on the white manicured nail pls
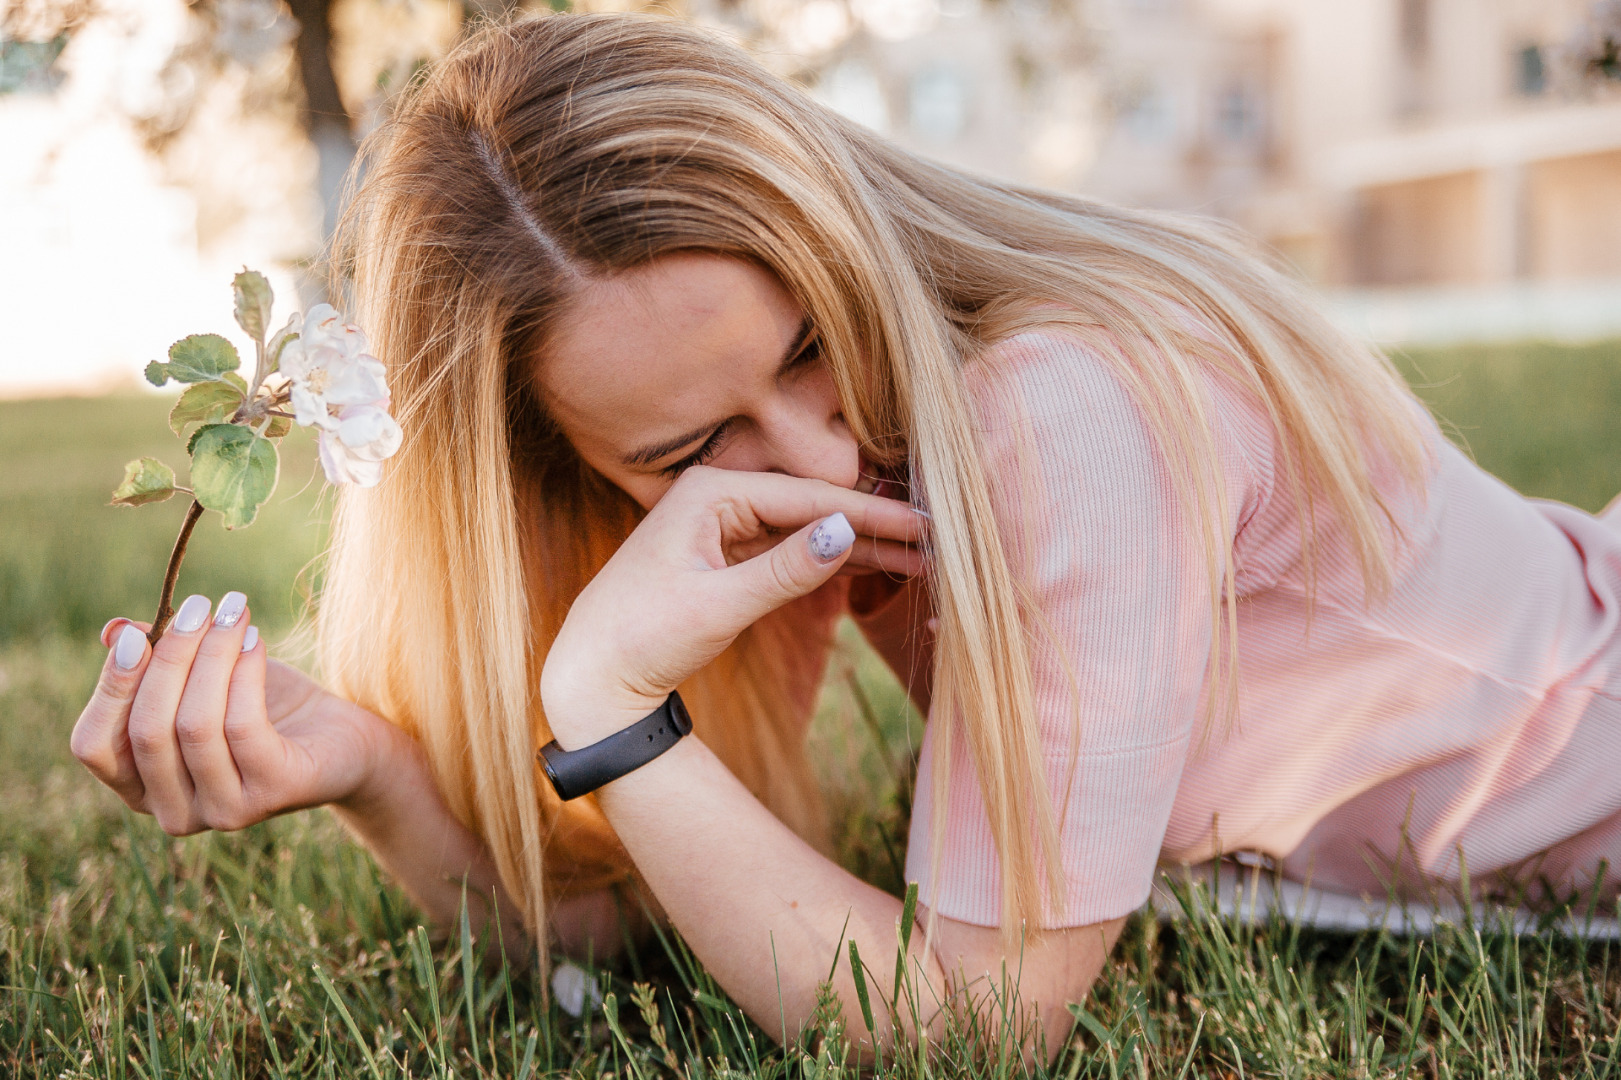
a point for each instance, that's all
(250, 639)
(232, 605)
(192, 614)
(831, 538)
(130, 647)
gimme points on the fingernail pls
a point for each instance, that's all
(924, 514)
(192, 614)
(250, 639)
(129, 648)
(232, 605)
(831, 538)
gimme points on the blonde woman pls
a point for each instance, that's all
(689, 367)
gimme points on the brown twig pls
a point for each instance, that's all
(160, 621)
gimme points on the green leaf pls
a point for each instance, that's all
(195, 359)
(232, 471)
(284, 336)
(146, 480)
(204, 403)
(253, 300)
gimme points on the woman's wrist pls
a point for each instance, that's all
(585, 704)
(390, 761)
(579, 719)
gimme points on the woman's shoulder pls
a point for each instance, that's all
(1076, 395)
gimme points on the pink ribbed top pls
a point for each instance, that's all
(1477, 710)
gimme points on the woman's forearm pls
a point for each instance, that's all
(398, 814)
(759, 907)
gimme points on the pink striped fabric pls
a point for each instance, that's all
(1478, 711)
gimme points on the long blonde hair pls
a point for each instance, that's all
(543, 154)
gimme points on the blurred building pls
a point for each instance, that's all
(1437, 153)
(1434, 142)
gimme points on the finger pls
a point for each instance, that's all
(791, 502)
(200, 718)
(887, 556)
(100, 739)
(152, 737)
(795, 567)
(255, 744)
(108, 631)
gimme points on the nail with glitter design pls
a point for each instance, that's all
(232, 605)
(831, 538)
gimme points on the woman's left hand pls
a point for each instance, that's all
(709, 559)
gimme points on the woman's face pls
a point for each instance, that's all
(694, 359)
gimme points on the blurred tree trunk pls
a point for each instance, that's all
(325, 118)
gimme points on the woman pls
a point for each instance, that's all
(688, 367)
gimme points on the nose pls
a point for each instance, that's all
(816, 444)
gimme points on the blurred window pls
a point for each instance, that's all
(29, 67)
(1530, 71)
(1146, 114)
(1240, 115)
(939, 103)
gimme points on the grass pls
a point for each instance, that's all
(280, 951)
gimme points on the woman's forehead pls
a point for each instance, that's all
(652, 339)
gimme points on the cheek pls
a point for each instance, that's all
(645, 490)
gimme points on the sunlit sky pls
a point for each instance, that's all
(99, 262)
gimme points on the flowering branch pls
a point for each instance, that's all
(317, 363)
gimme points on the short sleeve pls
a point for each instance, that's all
(1120, 636)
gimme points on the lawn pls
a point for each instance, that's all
(280, 951)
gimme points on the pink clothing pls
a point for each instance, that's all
(1479, 709)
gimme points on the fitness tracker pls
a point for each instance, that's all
(579, 772)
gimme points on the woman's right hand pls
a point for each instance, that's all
(203, 733)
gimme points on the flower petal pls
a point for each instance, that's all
(341, 467)
(356, 383)
(368, 432)
(309, 408)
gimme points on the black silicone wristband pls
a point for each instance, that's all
(579, 772)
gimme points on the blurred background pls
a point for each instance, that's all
(1446, 169)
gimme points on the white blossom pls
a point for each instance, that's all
(330, 368)
(338, 387)
(354, 448)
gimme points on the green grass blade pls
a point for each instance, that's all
(348, 1019)
(861, 987)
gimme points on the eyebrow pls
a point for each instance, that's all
(652, 452)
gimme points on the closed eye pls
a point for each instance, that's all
(810, 351)
(806, 350)
(710, 447)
